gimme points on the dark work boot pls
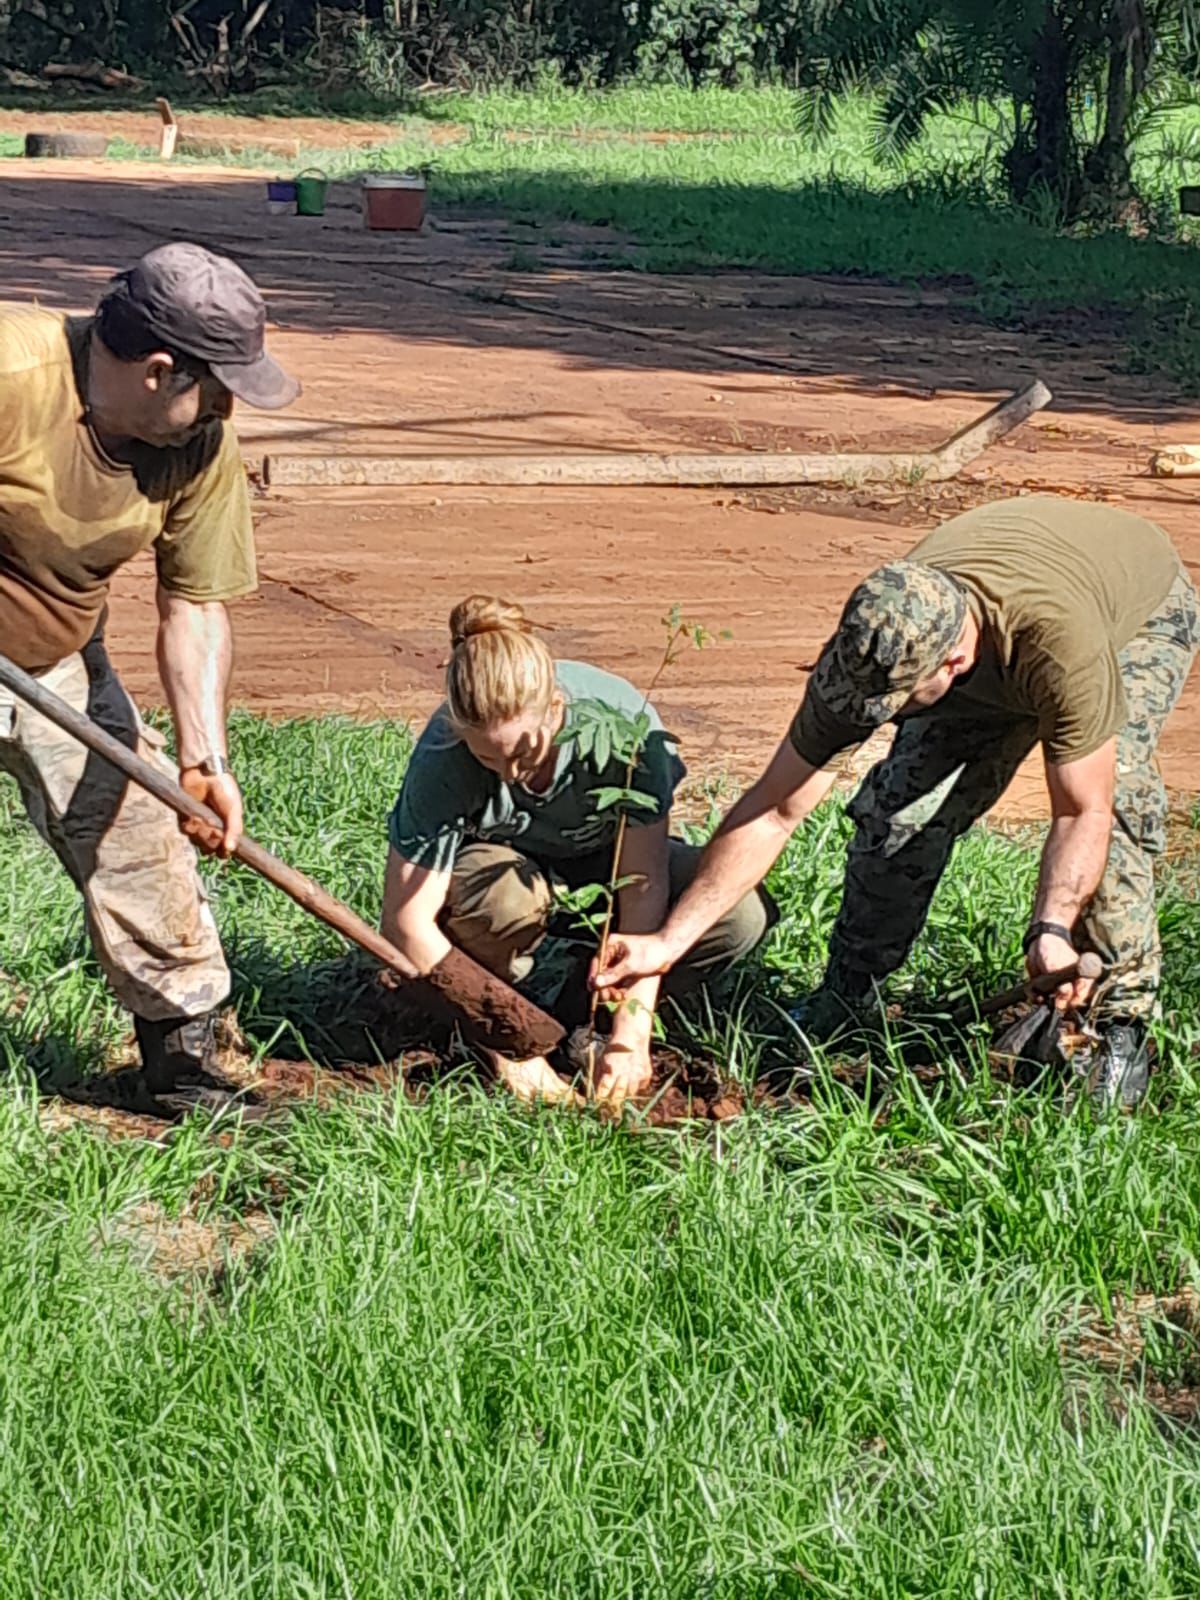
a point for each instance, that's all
(179, 1066)
(1120, 1073)
(824, 1014)
(842, 1004)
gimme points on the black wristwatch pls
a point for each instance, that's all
(1055, 929)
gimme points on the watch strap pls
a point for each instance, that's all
(1036, 930)
(213, 766)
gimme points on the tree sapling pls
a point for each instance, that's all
(603, 734)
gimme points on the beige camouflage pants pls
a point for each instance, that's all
(147, 915)
(945, 770)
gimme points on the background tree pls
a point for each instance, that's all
(392, 44)
(1041, 58)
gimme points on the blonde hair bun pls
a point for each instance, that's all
(483, 613)
(498, 668)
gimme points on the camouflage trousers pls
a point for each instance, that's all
(945, 770)
(501, 903)
(147, 915)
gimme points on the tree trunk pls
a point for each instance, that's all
(1107, 169)
(1054, 166)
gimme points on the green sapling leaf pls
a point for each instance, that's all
(606, 799)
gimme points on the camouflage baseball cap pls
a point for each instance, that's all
(899, 625)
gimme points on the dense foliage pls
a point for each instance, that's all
(392, 43)
(1075, 76)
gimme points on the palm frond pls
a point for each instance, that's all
(816, 110)
(912, 95)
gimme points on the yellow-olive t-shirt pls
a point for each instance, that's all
(1059, 588)
(70, 516)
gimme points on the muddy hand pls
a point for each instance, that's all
(222, 795)
(631, 957)
(624, 1074)
(1052, 954)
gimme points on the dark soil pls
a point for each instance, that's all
(1148, 1351)
(689, 1090)
(377, 1036)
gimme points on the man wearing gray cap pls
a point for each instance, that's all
(1027, 621)
(115, 438)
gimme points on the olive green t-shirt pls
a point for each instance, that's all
(448, 799)
(1059, 588)
(70, 516)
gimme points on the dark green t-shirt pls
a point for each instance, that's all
(1059, 587)
(448, 799)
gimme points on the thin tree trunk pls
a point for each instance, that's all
(1054, 166)
(1108, 170)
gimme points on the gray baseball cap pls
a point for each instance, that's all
(205, 305)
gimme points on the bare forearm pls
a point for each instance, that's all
(1073, 863)
(633, 1017)
(744, 850)
(413, 899)
(641, 908)
(737, 859)
(418, 938)
(195, 658)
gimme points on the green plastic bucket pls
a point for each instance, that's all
(310, 193)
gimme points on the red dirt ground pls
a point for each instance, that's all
(435, 343)
(141, 127)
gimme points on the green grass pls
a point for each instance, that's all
(661, 108)
(496, 1353)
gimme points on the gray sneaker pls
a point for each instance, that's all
(1120, 1073)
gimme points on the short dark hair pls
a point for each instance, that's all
(125, 334)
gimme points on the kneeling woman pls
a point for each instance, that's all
(496, 810)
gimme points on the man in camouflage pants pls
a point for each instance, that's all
(1023, 622)
(115, 438)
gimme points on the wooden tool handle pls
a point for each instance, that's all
(302, 889)
(626, 468)
(970, 442)
(482, 1003)
(1089, 966)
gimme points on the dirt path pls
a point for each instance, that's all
(141, 126)
(439, 343)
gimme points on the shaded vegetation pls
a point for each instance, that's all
(1047, 63)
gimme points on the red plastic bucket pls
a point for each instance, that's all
(393, 202)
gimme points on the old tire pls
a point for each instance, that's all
(66, 144)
